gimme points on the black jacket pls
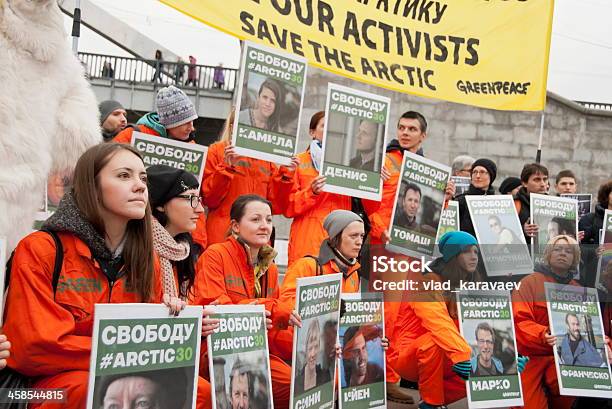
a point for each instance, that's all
(465, 221)
(522, 197)
(591, 224)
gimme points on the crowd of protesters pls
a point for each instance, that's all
(157, 235)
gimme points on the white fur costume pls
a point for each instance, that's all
(48, 112)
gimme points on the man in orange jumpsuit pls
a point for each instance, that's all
(410, 134)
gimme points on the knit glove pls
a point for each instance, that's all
(463, 369)
(521, 362)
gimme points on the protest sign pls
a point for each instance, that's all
(238, 358)
(419, 199)
(3, 250)
(574, 316)
(474, 53)
(147, 347)
(449, 221)
(362, 366)
(314, 362)
(555, 216)
(462, 184)
(269, 103)
(190, 157)
(485, 320)
(500, 235)
(604, 264)
(585, 201)
(354, 142)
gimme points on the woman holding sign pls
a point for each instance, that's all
(228, 175)
(103, 227)
(241, 270)
(308, 204)
(533, 334)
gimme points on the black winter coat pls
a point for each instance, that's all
(465, 221)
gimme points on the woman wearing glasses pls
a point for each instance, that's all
(176, 207)
(483, 175)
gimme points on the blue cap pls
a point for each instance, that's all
(454, 242)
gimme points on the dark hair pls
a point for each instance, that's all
(158, 54)
(314, 120)
(272, 85)
(239, 206)
(566, 227)
(532, 169)
(571, 314)
(415, 115)
(483, 326)
(603, 194)
(412, 186)
(566, 173)
(138, 250)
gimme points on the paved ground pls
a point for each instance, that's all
(462, 404)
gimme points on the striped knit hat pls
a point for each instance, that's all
(174, 107)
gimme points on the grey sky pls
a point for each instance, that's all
(580, 65)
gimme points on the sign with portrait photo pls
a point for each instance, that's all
(419, 200)
(145, 355)
(555, 216)
(585, 201)
(269, 103)
(485, 320)
(155, 150)
(238, 358)
(499, 235)
(313, 376)
(362, 365)
(354, 143)
(581, 359)
(604, 263)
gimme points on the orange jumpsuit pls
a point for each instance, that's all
(223, 184)
(54, 346)
(531, 323)
(307, 267)
(125, 136)
(224, 273)
(426, 344)
(309, 210)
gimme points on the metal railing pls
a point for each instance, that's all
(595, 105)
(138, 70)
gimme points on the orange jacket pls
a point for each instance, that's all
(57, 333)
(307, 267)
(125, 136)
(380, 219)
(429, 314)
(225, 273)
(309, 210)
(223, 184)
(531, 315)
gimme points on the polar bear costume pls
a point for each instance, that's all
(48, 111)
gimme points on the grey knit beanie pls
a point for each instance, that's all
(174, 107)
(107, 107)
(337, 221)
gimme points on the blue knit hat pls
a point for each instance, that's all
(174, 107)
(454, 242)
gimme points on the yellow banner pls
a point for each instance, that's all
(487, 53)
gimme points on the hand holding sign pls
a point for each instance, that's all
(317, 184)
(5, 347)
(175, 304)
(230, 155)
(549, 339)
(295, 319)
